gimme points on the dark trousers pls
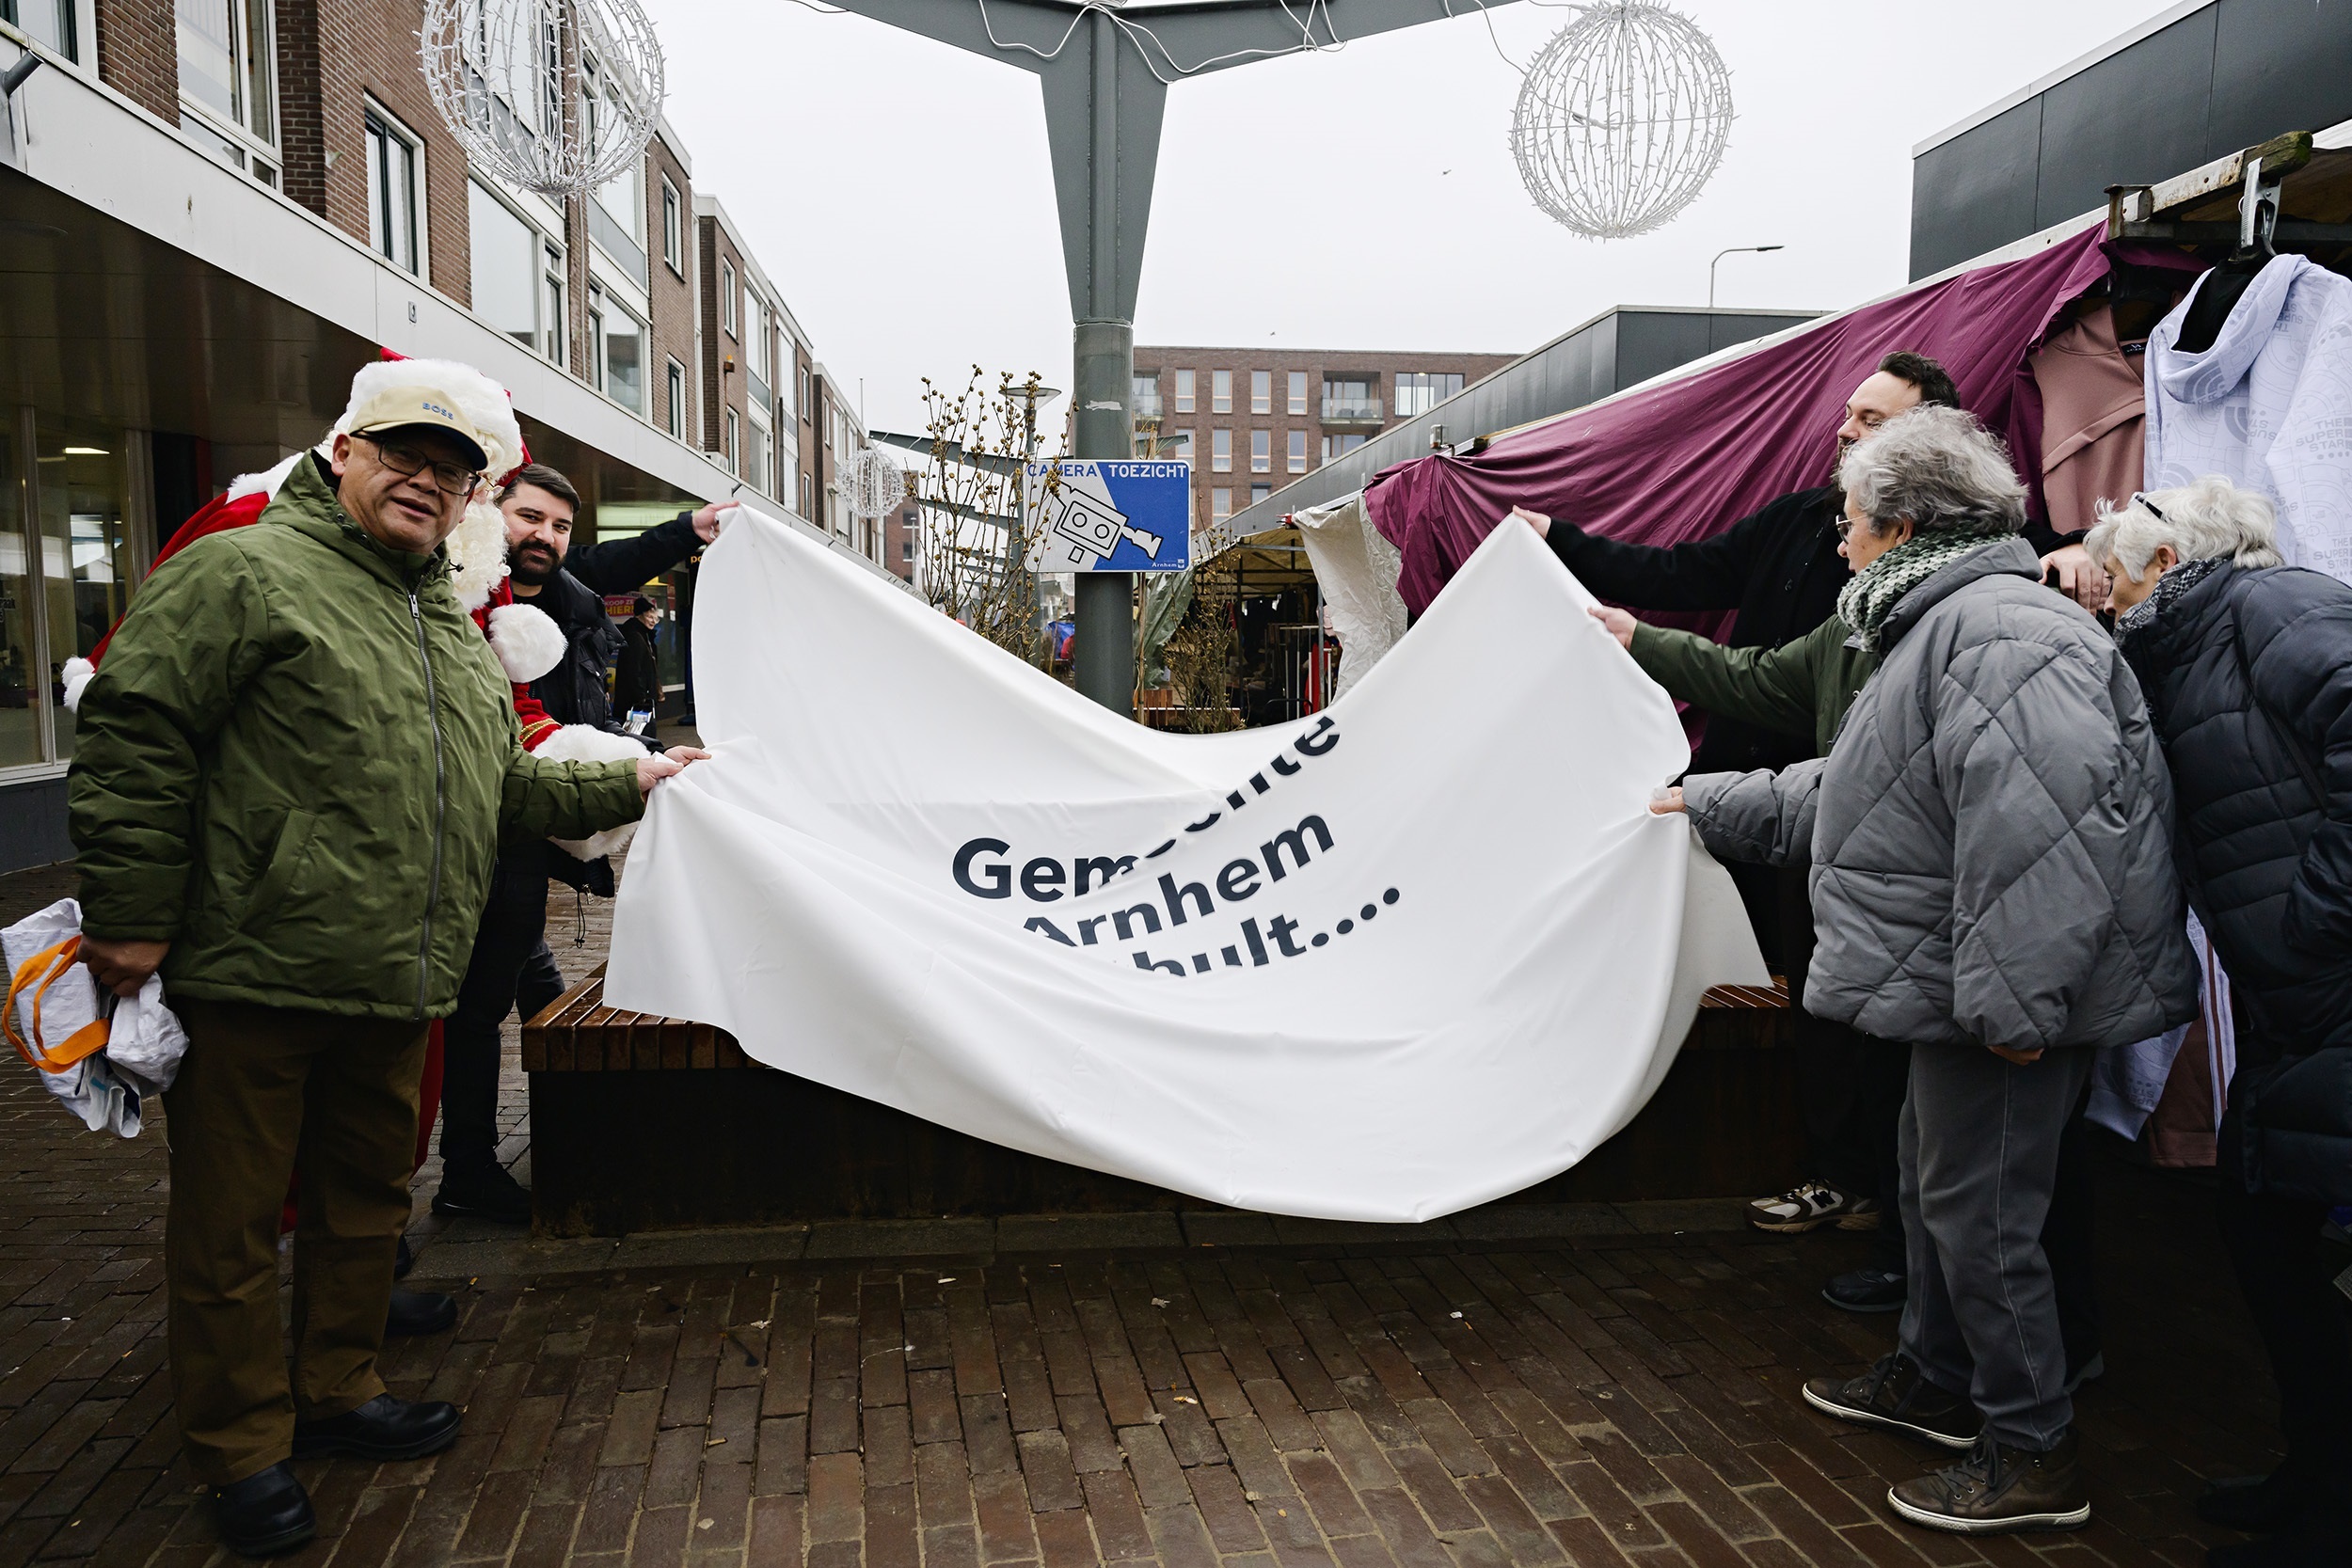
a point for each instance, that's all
(2274, 1247)
(1980, 1140)
(514, 922)
(262, 1090)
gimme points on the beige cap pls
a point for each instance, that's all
(438, 394)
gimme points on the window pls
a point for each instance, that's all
(726, 297)
(1298, 392)
(1221, 504)
(1261, 451)
(505, 267)
(1259, 493)
(1221, 451)
(1339, 446)
(1298, 451)
(906, 549)
(788, 408)
(617, 351)
(1350, 400)
(756, 456)
(677, 400)
(1184, 391)
(50, 22)
(1220, 392)
(1419, 391)
(734, 431)
(673, 229)
(802, 378)
(1262, 392)
(551, 313)
(393, 159)
(1143, 392)
(755, 335)
(623, 196)
(1182, 447)
(225, 55)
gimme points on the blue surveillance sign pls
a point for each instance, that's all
(1112, 514)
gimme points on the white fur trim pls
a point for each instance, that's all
(482, 401)
(477, 558)
(587, 743)
(263, 484)
(77, 674)
(528, 641)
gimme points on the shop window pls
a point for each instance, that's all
(1262, 392)
(1220, 392)
(24, 683)
(395, 170)
(1185, 391)
(1221, 451)
(1261, 451)
(1298, 451)
(226, 80)
(1298, 392)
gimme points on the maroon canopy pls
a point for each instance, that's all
(1689, 458)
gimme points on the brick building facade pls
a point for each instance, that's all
(1252, 419)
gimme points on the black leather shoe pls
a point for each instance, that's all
(415, 1313)
(265, 1513)
(403, 1259)
(1866, 1290)
(384, 1428)
(483, 1195)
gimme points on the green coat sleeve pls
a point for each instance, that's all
(1771, 688)
(197, 631)
(544, 798)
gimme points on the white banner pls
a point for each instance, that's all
(1415, 952)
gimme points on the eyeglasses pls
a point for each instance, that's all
(451, 479)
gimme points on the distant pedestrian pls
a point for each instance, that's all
(637, 679)
(2248, 668)
(291, 774)
(1992, 884)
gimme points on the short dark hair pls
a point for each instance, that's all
(639, 604)
(1934, 381)
(541, 477)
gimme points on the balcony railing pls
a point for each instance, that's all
(1351, 410)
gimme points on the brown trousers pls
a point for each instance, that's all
(262, 1090)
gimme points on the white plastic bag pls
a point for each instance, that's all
(54, 1005)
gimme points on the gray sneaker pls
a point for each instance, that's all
(1894, 1395)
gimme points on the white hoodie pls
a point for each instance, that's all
(2268, 407)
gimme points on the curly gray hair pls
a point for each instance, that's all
(2200, 521)
(1938, 470)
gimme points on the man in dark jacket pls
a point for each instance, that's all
(637, 681)
(539, 504)
(1780, 569)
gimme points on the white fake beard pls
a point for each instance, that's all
(477, 554)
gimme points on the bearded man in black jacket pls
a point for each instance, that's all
(510, 953)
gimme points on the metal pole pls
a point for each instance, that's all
(1103, 360)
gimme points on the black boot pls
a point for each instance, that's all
(417, 1313)
(403, 1259)
(386, 1427)
(487, 1192)
(265, 1513)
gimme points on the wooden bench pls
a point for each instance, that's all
(644, 1123)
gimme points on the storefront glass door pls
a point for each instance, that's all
(20, 658)
(86, 562)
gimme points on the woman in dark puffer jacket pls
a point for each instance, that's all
(2247, 667)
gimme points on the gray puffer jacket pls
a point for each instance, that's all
(1991, 835)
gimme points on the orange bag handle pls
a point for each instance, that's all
(44, 967)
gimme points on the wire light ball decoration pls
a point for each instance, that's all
(872, 482)
(1623, 120)
(554, 96)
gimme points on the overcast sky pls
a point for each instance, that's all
(898, 193)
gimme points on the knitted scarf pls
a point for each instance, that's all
(1877, 588)
(2169, 588)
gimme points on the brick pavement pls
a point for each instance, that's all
(1585, 1401)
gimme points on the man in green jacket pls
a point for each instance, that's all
(291, 777)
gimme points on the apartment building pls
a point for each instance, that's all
(1249, 419)
(217, 210)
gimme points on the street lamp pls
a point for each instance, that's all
(1735, 250)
